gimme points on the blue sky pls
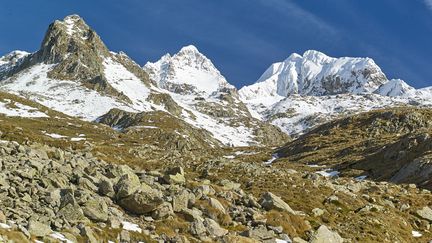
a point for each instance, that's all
(242, 37)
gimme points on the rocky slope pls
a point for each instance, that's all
(75, 73)
(390, 145)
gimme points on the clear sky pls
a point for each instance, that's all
(242, 37)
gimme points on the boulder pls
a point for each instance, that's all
(213, 228)
(229, 185)
(180, 201)
(72, 214)
(106, 188)
(96, 210)
(324, 235)
(38, 229)
(217, 205)
(162, 211)
(175, 175)
(270, 201)
(141, 202)
(259, 233)
(127, 185)
(425, 213)
(89, 235)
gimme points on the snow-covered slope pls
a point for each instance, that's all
(395, 87)
(316, 74)
(61, 95)
(307, 90)
(188, 71)
(194, 83)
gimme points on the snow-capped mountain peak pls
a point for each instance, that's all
(316, 74)
(189, 71)
(395, 87)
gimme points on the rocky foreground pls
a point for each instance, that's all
(48, 194)
(52, 195)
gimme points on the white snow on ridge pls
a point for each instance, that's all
(65, 96)
(395, 87)
(19, 110)
(189, 67)
(309, 75)
(226, 134)
(127, 83)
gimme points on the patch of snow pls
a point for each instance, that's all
(315, 166)
(148, 127)
(68, 97)
(127, 83)
(360, 178)
(229, 156)
(273, 158)
(54, 135)
(416, 234)
(60, 237)
(78, 139)
(20, 110)
(131, 227)
(328, 173)
(5, 226)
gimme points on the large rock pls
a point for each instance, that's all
(197, 228)
(259, 233)
(96, 210)
(72, 214)
(229, 185)
(175, 175)
(180, 201)
(270, 201)
(106, 188)
(162, 211)
(127, 185)
(214, 229)
(324, 235)
(425, 213)
(38, 229)
(217, 205)
(141, 202)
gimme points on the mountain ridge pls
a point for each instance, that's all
(75, 73)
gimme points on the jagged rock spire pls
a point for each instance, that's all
(71, 36)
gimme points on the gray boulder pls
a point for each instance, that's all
(127, 185)
(270, 201)
(96, 210)
(425, 213)
(324, 235)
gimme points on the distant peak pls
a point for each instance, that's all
(293, 56)
(189, 48)
(69, 35)
(313, 54)
(72, 17)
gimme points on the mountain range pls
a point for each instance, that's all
(74, 72)
(97, 148)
